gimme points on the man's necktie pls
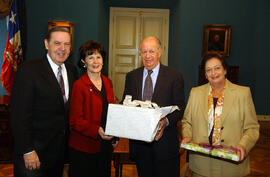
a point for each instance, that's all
(148, 87)
(61, 83)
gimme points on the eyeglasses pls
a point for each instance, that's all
(216, 68)
(151, 52)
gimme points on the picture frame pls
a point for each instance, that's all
(5, 8)
(66, 24)
(216, 39)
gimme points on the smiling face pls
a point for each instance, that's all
(58, 46)
(150, 52)
(93, 62)
(214, 71)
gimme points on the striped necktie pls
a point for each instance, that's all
(148, 87)
(61, 83)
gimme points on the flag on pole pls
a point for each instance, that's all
(13, 50)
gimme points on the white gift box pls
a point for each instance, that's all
(135, 122)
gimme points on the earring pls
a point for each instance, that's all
(84, 66)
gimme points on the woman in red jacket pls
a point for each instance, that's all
(90, 149)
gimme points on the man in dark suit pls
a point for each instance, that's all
(161, 157)
(39, 109)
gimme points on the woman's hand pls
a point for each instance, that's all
(103, 135)
(241, 152)
(185, 140)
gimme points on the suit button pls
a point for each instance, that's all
(222, 141)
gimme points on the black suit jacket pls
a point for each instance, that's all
(169, 90)
(39, 116)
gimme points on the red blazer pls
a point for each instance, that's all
(85, 113)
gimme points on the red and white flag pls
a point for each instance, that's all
(13, 50)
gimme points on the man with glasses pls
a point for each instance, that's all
(164, 86)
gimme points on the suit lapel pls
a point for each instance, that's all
(204, 99)
(49, 75)
(139, 81)
(228, 100)
(160, 79)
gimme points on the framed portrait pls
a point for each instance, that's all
(66, 24)
(216, 39)
(5, 7)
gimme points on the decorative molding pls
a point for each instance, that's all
(263, 117)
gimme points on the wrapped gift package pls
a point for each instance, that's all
(222, 151)
(196, 147)
(138, 123)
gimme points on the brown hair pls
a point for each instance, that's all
(57, 29)
(88, 48)
(217, 56)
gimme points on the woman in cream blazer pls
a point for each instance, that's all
(238, 122)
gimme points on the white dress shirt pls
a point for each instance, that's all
(64, 74)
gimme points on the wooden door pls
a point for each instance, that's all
(128, 26)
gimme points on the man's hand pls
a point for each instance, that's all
(103, 135)
(115, 144)
(162, 126)
(31, 161)
(241, 152)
